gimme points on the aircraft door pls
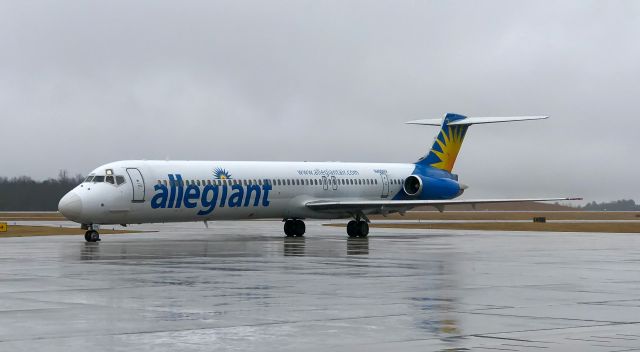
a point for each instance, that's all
(385, 185)
(325, 183)
(334, 183)
(137, 182)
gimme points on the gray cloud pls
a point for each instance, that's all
(85, 83)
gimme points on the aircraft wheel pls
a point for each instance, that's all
(289, 228)
(363, 229)
(92, 236)
(299, 228)
(352, 228)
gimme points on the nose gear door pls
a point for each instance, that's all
(137, 182)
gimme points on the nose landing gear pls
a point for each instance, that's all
(91, 235)
(294, 227)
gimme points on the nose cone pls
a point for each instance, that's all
(70, 206)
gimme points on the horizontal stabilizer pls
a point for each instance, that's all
(475, 120)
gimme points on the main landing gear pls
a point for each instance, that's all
(294, 227)
(357, 228)
(91, 235)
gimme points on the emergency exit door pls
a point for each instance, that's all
(385, 185)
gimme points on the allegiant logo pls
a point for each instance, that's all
(208, 196)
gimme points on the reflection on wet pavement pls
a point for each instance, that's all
(242, 285)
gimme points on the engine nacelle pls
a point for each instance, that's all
(412, 185)
(423, 187)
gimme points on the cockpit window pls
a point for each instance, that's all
(88, 179)
(98, 179)
(120, 179)
(109, 179)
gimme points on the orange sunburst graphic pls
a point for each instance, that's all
(450, 144)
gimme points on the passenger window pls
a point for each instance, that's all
(98, 179)
(110, 180)
(120, 180)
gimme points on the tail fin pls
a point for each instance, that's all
(447, 144)
(453, 128)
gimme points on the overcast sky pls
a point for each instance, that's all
(83, 83)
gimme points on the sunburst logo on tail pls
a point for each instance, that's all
(221, 174)
(448, 146)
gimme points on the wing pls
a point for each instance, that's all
(387, 206)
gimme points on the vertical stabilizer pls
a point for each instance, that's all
(447, 145)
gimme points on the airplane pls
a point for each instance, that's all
(146, 191)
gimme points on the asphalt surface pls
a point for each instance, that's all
(242, 286)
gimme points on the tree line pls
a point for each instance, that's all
(25, 194)
(618, 205)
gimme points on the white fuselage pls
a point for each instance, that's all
(169, 191)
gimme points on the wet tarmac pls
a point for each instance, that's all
(242, 286)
